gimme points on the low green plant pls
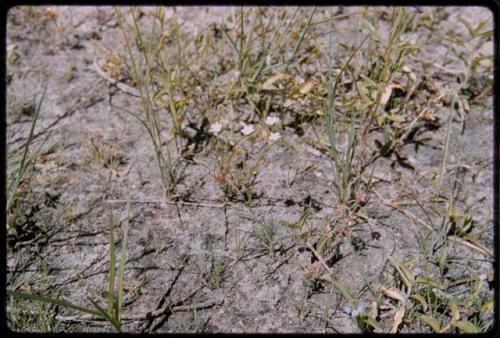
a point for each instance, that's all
(345, 180)
(426, 300)
(113, 312)
(463, 50)
(105, 153)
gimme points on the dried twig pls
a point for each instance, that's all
(320, 259)
(196, 204)
(120, 85)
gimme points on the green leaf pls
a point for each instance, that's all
(343, 290)
(429, 281)
(405, 274)
(112, 264)
(421, 299)
(299, 225)
(50, 300)
(364, 321)
(105, 315)
(321, 243)
(455, 315)
(25, 161)
(466, 326)
(122, 266)
(434, 323)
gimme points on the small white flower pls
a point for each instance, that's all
(247, 129)
(215, 128)
(272, 120)
(274, 136)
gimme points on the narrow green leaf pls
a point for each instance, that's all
(429, 281)
(25, 162)
(122, 264)
(420, 299)
(365, 320)
(321, 243)
(455, 315)
(105, 315)
(343, 290)
(466, 326)
(112, 264)
(434, 323)
(50, 300)
(401, 272)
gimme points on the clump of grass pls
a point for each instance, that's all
(391, 60)
(345, 180)
(20, 171)
(464, 51)
(18, 180)
(264, 46)
(216, 275)
(113, 312)
(154, 98)
(266, 42)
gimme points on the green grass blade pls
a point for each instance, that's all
(51, 300)
(112, 264)
(433, 322)
(122, 264)
(343, 290)
(466, 326)
(105, 315)
(24, 161)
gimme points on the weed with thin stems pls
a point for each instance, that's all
(216, 275)
(154, 99)
(234, 172)
(39, 318)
